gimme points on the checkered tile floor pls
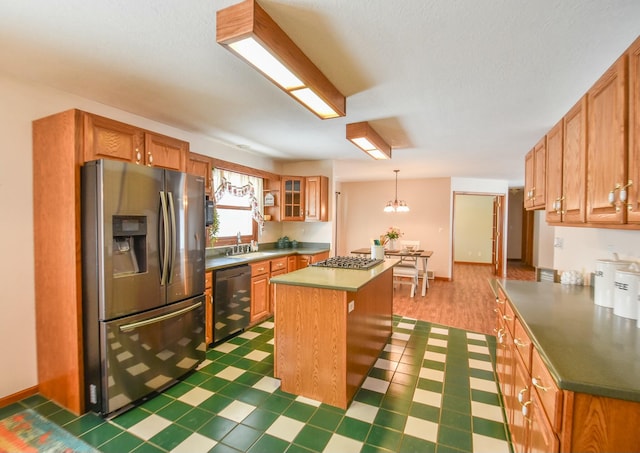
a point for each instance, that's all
(432, 389)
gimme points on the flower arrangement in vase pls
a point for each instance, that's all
(390, 238)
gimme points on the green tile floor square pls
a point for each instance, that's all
(413, 364)
(315, 439)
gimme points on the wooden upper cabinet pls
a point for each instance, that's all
(554, 173)
(535, 179)
(316, 199)
(292, 202)
(633, 213)
(529, 179)
(540, 180)
(109, 139)
(165, 152)
(200, 165)
(607, 145)
(574, 164)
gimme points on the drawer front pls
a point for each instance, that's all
(548, 392)
(208, 279)
(523, 344)
(279, 264)
(259, 268)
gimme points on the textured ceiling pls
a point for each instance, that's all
(460, 88)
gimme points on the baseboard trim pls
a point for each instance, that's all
(472, 262)
(10, 399)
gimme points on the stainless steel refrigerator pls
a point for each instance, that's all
(143, 248)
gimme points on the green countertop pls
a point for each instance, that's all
(220, 262)
(330, 278)
(586, 347)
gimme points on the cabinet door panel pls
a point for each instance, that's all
(540, 162)
(574, 163)
(109, 139)
(554, 201)
(166, 152)
(316, 194)
(292, 198)
(606, 144)
(200, 165)
(542, 439)
(521, 395)
(259, 297)
(633, 214)
(529, 182)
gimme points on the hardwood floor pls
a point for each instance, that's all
(467, 302)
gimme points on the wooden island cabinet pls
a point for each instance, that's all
(330, 326)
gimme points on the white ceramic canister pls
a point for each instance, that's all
(377, 252)
(627, 289)
(604, 279)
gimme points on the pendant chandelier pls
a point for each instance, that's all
(395, 205)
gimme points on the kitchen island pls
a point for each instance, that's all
(330, 326)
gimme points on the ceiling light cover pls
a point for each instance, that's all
(364, 137)
(249, 32)
(395, 205)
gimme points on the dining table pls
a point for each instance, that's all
(423, 255)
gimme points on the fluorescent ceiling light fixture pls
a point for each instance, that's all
(250, 50)
(364, 137)
(249, 32)
(395, 205)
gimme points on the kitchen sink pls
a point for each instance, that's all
(251, 255)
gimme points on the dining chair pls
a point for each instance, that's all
(407, 271)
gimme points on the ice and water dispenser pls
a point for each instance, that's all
(129, 245)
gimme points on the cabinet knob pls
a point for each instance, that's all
(149, 158)
(521, 395)
(518, 342)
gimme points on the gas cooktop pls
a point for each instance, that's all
(349, 262)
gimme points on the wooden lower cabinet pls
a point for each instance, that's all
(544, 418)
(542, 438)
(208, 309)
(519, 419)
(292, 263)
(259, 290)
(307, 260)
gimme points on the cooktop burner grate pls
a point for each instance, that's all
(349, 262)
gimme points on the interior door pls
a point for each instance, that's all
(497, 239)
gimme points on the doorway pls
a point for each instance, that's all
(478, 231)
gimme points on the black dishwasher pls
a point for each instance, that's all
(231, 301)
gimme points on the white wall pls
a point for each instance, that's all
(581, 247)
(473, 228)
(21, 104)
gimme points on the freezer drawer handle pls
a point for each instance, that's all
(146, 322)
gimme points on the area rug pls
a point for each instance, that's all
(27, 432)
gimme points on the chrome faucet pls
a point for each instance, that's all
(239, 238)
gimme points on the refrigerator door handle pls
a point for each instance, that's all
(163, 237)
(173, 238)
(146, 322)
